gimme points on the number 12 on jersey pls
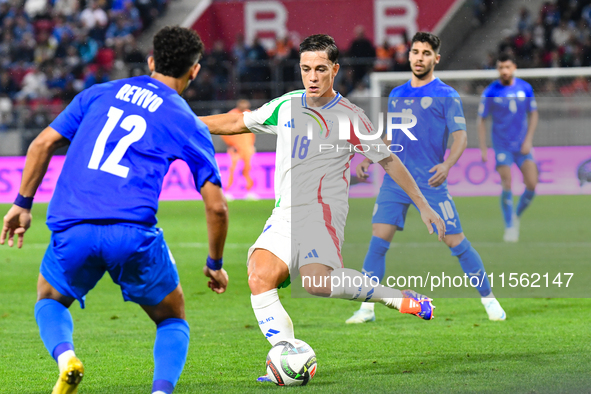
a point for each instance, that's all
(135, 124)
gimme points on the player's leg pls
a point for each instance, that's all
(234, 157)
(389, 215)
(323, 274)
(348, 284)
(69, 269)
(529, 169)
(246, 152)
(139, 261)
(506, 195)
(374, 265)
(172, 340)
(472, 265)
(56, 328)
(266, 272)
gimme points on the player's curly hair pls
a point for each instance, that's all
(430, 38)
(176, 49)
(321, 42)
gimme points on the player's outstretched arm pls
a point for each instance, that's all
(532, 124)
(225, 124)
(18, 219)
(394, 167)
(216, 212)
(482, 138)
(441, 170)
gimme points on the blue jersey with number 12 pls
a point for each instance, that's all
(439, 112)
(124, 136)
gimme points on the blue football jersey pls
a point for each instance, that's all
(508, 107)
(439, 112)
(124, 136)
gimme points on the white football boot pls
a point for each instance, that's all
(494, 309)
(362, 315)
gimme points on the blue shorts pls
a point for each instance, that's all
(392, 205)
(506, 157)
(136, 257)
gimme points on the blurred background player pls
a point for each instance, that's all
(512, 106)
(123, 136)
(306, 229)
(240, 146)
(439, 113)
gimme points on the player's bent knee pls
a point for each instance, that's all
(260, 283)
(383, 231)
(171, 307)
(453, 240)
(46, 291)
(316, 279)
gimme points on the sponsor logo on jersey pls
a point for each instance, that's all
(290, 124)
(452, 223)
(311, 254)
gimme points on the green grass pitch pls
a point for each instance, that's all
(543, 347)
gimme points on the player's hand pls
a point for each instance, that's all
(526, 147)
(218, 280)
(484, 155)
(430, 217)
(441, 170)
(16, 222)
(362, 168)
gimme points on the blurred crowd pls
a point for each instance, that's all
(52, 49)
(558, 35)
(249, 70)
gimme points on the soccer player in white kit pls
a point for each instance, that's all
(306, 229)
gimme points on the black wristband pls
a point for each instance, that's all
(214, 265)
(23, 202)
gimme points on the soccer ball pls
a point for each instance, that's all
(291, 363)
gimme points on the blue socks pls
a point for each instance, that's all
(170, 353)
(55, 326)
(472, 265)
(375, 259)
(524, 201)
(507, 207)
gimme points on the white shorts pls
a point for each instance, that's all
(311, 242)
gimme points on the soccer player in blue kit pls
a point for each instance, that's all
(512, 106)
(439, 113)
(123, 137)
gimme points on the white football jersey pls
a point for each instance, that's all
(313, 155)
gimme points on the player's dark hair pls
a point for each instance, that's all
(430, 38)
(321, 42)
(176, 50)
(503, 57)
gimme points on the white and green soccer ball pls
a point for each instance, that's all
(291, 363)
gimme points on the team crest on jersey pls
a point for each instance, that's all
(426, 102)
(325, 128)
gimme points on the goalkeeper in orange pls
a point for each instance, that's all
(241, 146)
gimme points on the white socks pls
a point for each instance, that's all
(62, 359)
(274, 322)
(353, 285)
